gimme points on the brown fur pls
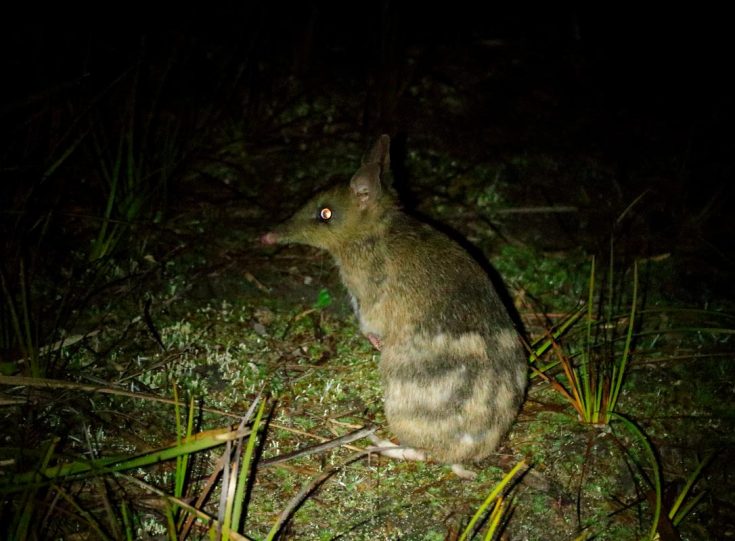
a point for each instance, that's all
(452, 365)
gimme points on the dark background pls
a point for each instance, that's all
(645, 92)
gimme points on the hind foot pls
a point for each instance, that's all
(463, 473)
(391, 450)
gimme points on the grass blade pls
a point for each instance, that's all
(619, 370)
(490, 499)
(245, 467)
(79, 469)
(674, 514)
(653, 461)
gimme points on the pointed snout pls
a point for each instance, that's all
(269, 238)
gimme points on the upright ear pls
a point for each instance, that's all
(365, 184)
(379, 154)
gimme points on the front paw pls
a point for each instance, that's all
(375, 341)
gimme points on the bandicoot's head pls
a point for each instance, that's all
(344, 212)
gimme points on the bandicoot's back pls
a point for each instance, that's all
(452, 364)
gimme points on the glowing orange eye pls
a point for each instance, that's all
(325, 214)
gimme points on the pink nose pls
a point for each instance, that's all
(269, 238)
